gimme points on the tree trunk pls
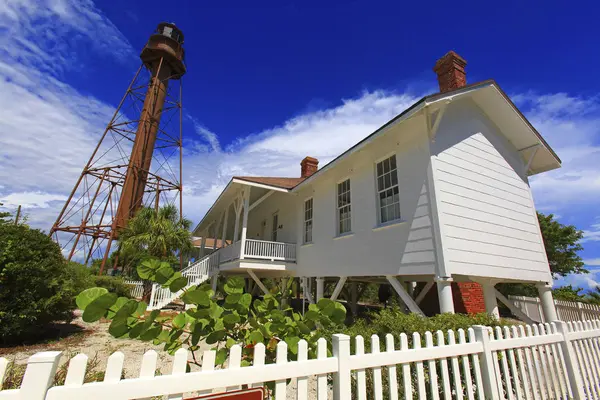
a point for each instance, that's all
(147, 291)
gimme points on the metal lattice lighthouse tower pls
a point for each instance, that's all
(137, 160)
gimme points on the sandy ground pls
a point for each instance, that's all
(95, 341)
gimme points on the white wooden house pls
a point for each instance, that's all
(438, 195)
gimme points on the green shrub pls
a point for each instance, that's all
(113, 284)
(35, 288)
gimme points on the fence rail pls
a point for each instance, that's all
(544, 361)
(137, 288)
(566, 310)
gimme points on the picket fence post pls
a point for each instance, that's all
(571, 364)
(486, 361)
(39, 375)
(342, 378)
(580, 312)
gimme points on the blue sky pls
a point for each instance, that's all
(275, 81)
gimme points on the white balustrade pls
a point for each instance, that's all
(263, 249)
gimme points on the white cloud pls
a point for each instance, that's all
(592, 234)
(44, 34)
(592, 261)
(585, 281)
(48, 129)
(571, 125)
(277, 151)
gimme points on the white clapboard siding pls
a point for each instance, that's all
(485, 207)
(538, 362)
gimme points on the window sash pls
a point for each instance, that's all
(344, 208)
(388, 195)
(308, 223)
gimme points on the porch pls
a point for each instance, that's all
(252, 226)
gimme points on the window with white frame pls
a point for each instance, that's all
(387, 190)
(344, 212)
(308, 220)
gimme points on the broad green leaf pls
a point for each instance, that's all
(141, 309)
(163, 274)
(119, 303)
(313, 307)
(152, 333)
(98, 308)
(234, 285)
(198, 313)
(87, 296)
(215, 337)
(148, 268)
(230, 342)
(221, 356)
(231, 319)
(256, 337)
(324, 303)
(233, 298)
(292, 343)
(137, 330)
(246, 300)
(118, 328)
(339, 313)
(175, 334)
(195, 296)
(126, 310)
(305, 330)
(216, 311)
(312, 315)
(178, 284)
(328, 310)
(179, 321)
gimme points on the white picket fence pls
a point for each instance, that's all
(547, 361)
(137, 288)
(566, 310)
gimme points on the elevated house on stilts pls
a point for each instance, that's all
(437, 198)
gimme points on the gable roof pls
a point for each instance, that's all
(549, 159)
(280, 182)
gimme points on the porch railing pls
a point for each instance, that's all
(231, 252)
(270, 250)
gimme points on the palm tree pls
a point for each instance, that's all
(155, 233)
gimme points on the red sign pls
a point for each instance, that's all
(246, 394)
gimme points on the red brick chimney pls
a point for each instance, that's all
(450, 71)
(308, 166)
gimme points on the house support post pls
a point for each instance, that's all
(203, 244)
(284, 292)
(489, 295)
(545, 294)
(306, 290)
(245, 222)
(258, 282)
(408, 301)
(354, 298)
(444, 287)
(514, 309)
(338, 287)
(213, 283)
(225, 220)
(237, 206)
(320, 288)
(424, 292)
(489, 298)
